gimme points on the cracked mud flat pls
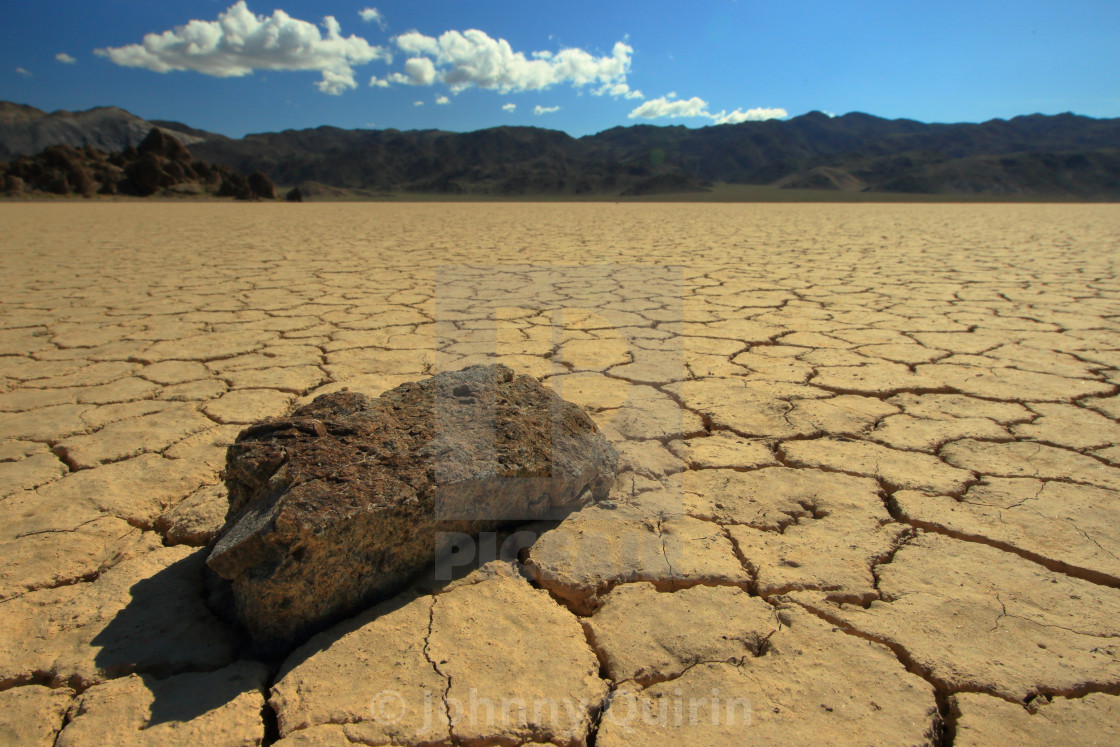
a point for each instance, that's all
(870, 488)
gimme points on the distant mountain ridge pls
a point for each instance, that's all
(1065, 155)
(25, 130)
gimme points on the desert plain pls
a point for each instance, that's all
(869, 489)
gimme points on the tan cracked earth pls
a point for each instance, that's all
(871, 486)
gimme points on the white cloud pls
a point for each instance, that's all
(663, 107)
(418, 71)
(372, 15)
(240, 42)
(23, 72)
(379, 82)
(417, 103)
(539, 110)
(509, 107)
(442, 100)
(750, 115)
(65, 58)
(473, 58)
(669, 106)
(618, 89)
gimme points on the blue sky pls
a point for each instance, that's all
(582, 67)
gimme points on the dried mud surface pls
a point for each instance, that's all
(870, 470)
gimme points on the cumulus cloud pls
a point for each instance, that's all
(461, 59)
(666, 107)
(23, 72)
(509, 107)
(240, 42)
(539, 110)
(65, 58)
(417, 103)
(442, 100)
(418, 71)
(670, 106)
(617, 90)
(372, 15)
(379, 82)
(750, 115)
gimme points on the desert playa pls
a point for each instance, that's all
(870, 454)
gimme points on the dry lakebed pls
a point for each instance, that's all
(869, 458)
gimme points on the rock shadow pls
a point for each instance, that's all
(166, 629)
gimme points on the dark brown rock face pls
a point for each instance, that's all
(160, 165)
(159, 143)
(342, 502)
(236, 186)
(261, 186)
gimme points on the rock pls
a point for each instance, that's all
(187, 189)
(61, 156)
(82, 182)
(202, 170)
(261, 186)
(161, 164)
(146, 175)
(236, 186)
(160, 143)
(294, 195)
(13, 185)
(174, 171)
(57, 183)
(341, 503)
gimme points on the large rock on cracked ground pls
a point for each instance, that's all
(342, 502)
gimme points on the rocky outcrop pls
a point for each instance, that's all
(159, 165)
(342, 502)
(256, 186)
(261, 186)
(25, 130)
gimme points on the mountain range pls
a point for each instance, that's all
(1063, 156)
